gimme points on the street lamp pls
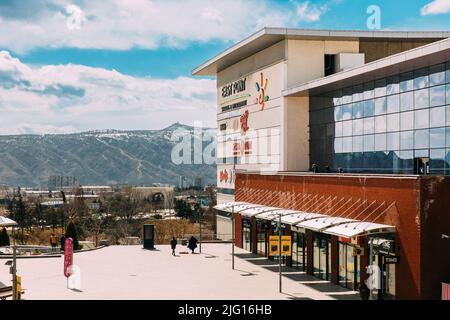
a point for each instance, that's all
(6, 222)
(232, 236)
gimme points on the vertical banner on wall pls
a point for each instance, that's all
(68, 257)
(445, 291)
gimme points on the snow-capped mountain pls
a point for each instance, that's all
(101, 157)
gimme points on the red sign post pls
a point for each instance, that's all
(68, 257)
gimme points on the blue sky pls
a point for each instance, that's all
(73, 65)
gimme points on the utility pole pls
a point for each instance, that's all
(14, 267)
(279, 247)
(200, 221)
(232, 237)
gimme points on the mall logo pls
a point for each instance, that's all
(261, 89)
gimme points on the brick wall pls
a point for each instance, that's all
(405, 214)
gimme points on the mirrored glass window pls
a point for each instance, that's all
(447, 94)
(407, 140)
(421, 153)
(380, 142)
(393, 103)
(338, 145)
(421, 99)
(347, 128)
(380, 106)
(437, 117)
(393, 141)
(447, 115)
(357, 110)
(393, 122)
(358, 93)
(347, 95)
(346, 111)
(437, 161)
(369, 90)
(437, 96)
(347, 144)
(380, 124)
(357, 144)
(338, 113)
(393, 85)
(337, 98)
(421, 119)
(421, 139)
(447, 136)
(338, 129)
(407, 120)
(407, 101)
(437, 138)
(380, 88)
(357, 126)
(369, 108)
(406, 82)
(447, 72)
(437, 75)
(369, 143)
(421, 78)
(369, 125)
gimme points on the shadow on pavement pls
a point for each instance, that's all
(335, 291)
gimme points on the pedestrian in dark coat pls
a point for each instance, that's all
(173, 244)
(192, 244)
(62, 241)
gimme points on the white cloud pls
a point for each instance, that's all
(69, 98)
(121, 25)
(310, 13)
(436, 7)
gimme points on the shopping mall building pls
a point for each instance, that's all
(345, 137)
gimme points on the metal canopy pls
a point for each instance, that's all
(225, 206)
(323, 223)
(256, 211)
(338, 226)
(352, 229)
(294, 219)
(6, 222)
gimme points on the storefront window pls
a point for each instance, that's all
(321, 256)
(299, 250)
(247, 235)
(262, 235)
(348, 266)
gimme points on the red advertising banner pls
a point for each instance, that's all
(68, 257)
(445, 291)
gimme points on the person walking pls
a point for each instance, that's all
(53, 242)
(364, 291)
(192, 243)
(62, 241)
(173, 244)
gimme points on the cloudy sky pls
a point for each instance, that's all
(76, 65)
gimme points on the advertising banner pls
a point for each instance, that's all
(68, 257)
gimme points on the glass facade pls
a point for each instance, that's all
(299, 250)
(262, 229)
(349, 273)
(247, 235)
(322, 256)
(382, 125)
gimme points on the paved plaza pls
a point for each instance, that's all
(130, 272)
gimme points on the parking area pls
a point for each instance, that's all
(130, 272)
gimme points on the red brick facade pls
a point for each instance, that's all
(418, 207)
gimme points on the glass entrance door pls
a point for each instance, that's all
(322, 256)
(298, 250)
